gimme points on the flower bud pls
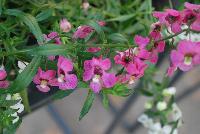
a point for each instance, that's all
(65, 25)
(162, 105)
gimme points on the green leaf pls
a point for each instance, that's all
(146, 93)
(105, 101)
(119, 90)
(117, 37)
(98, 29)
(122, 18)
(2, 3)
(61, 94)
(82, 84)
(45, 14)
(26, 76)
(49, 49)
(87, 104)
(29, 20)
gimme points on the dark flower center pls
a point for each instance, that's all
(171, 19)
(157, 28)
(98, 70)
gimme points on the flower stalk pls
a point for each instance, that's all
(24, 95)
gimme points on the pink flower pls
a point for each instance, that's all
(101, 23)
(124, 58)
(142, 42)
(53, 36)
(192, 7)
(155, 33)
(137, 68)
(191, 16)
(186, 56)
(44, 80)
(171, 18)
(3, 83)
(93, 49)
(95, 70)
(65, 25)
(82, 32)
(66, 80)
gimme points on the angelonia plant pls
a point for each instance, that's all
(71, 58)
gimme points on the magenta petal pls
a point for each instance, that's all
(161, 46)
(109, 80)
(71, 82)
(176, 27)
(106, 64)
(144, 54)
(4, 84)
(131, 68)
(184, 67)
(53, 82)
(154, 57)
(196, 25)
(49, 74)
(191, 6)
(3, 74)
(176, 57)
(87, 75)
(88, 65)
(36, 79)
(45, 90)
(96, 87)
(196, 59)
(171, 70)
(64, 64)
(141, 41)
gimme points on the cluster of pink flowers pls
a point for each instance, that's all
(134, 61)
(65, 77)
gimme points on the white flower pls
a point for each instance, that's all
(22, 65)
(162, 105)
(148, 105)
(18, 106)
(177, 114)
(16, 118)
(145, 120)
(169, 91)
(158, 129)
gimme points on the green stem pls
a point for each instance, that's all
(170, 4)
(24, 95)
(1, 129)
(172, 36)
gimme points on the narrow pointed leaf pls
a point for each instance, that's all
(87, 104)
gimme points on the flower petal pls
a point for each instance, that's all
(95, 86)
(71, 82)
(45, 90)
(109, 80)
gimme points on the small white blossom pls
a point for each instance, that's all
(22, 65)
(145, 120)
(18, 106)
(162, 105)
(169, 91)
(158, 129)
(148, 105)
